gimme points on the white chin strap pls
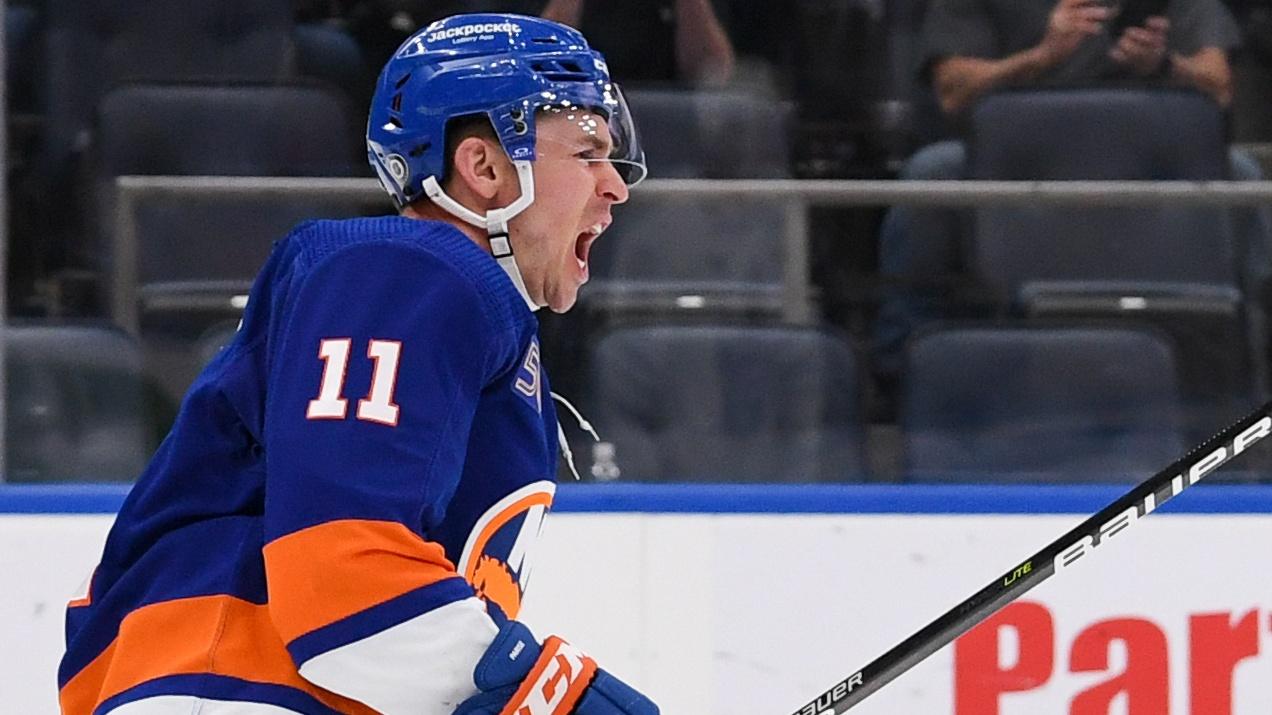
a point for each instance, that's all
(495, 222)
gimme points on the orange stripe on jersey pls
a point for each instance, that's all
(221, 635)
(362, 564)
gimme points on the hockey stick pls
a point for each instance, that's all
(1056, 556)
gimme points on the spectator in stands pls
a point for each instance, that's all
(666, 41)
(380, 26)
(662, 41)
(972, 47)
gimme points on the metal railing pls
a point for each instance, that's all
(800, 193)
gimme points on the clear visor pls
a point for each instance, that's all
(584, 133)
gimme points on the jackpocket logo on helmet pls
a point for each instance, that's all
(462, 32)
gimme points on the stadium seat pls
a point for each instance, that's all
(89, 47)
(1100, 133)
(77, 408)
(707, 255)
(234, 130)
(1013, 404)
(93, 46)
(327, 53)
(193, 252)
(727, 404)
(713, 134)
(1173, 265)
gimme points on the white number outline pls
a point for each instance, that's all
(329, 405)
(378, 405)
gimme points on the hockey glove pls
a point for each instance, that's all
(517, 676)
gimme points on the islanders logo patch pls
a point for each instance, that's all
(497, 557)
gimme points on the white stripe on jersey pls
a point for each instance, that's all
(384, 670)
(186, 704)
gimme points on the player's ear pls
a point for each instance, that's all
(481, 165)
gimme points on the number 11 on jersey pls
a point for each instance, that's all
(378, 406)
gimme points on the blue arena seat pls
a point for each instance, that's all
(728, 404)
(1101, 134)
(1098, 133)
(705, 254)
(191, 251)
(689, 134)
(89, 47)
(1174, 265)
(78, 407)
(231, 130)
(92, 46)
(327, 53)
(95, 45)
(1068, 404)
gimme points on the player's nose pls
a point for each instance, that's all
(610, 185)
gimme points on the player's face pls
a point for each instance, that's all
(572, 199)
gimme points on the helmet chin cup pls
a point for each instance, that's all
(494, 222)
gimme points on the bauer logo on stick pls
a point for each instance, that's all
(1153, 499)
(824, 705)
(1056, 556)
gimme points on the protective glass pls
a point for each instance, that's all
(623, 149)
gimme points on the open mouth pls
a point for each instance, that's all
(583, 244)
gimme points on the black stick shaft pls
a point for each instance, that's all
(1059, 555)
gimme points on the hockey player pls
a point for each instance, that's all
(342, 517)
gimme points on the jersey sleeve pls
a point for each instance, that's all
(375, 371)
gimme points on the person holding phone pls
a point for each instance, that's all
(969, 48)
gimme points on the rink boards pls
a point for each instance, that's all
(744, 600)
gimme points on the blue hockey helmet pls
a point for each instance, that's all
(507, 67)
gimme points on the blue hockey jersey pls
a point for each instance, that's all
(345, 506)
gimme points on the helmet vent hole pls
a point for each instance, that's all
(559, 70)
(397, 102)
(402, 81)
(397, 123)
(546, 41)
(419, 149)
